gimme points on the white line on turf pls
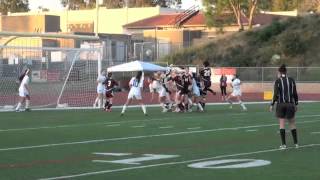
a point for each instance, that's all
(166, 127)
(113, 125)
(132, 121)
(147, 136)
(252, 130)
(173, 163)
(193, 128)
(142, 126)
(315, 132)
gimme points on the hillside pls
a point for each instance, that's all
(295, 41)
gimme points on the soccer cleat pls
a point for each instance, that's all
(121, 114)
(17, 110)
(145, 114)
(296, 146)
(165, 110)
(283, 147)
(27, 110)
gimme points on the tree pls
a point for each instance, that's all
(284, 5)
(78, 4)
(13, 6)
(239, 9)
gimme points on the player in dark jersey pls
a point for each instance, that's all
(110, 84)
(205, 75)
(177, 79)
(187, 87)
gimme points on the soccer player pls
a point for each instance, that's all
(136, 86)
(110, 84)
(24, 90)
(177, 79)
(205, 74)
(100, 90)
(196, 91)
(186, 90)
(157, 87)
(286, 96)
(236, 93)
(223, 87)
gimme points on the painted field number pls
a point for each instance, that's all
(230, 164)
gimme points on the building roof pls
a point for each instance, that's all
(168, 20)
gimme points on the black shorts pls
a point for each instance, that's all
(207, 83)
(285, 111)
(184, 91)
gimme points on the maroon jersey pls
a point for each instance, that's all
(178, 81)
(186, 80)
(110, 84)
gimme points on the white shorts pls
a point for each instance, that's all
(196, 92)
(134, 94)
(163, 92)
(23, 93)
(236, 93)
(101, 90)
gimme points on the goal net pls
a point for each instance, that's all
(60, 78)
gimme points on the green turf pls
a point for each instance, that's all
(44, 144)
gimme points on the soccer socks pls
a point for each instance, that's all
(18, 106)
(109, 106)
(294, 136)
(200, 106)
(96, 102)
(106, 105)
(144, 109)
(243, 106)
(27, 104)
(283, 136)
(124, 109)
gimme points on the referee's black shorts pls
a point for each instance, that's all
(285, 110)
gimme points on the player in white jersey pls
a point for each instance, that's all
(100, 90)
(196, 91)
(236, 92)
(158, 87)
(24, 90)
(136, 86)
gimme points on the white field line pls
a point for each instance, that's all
(166, 127)
(315, 132)
(142, 126)
(138, 106)
(174, 163)
(118, 122)
(134, 121)
(252, 130)
(146, 136)
(194, 128)
(113, 125)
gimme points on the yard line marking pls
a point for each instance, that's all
(315, 132)
(142, 126)
(114, 122)
(166, 127)
(193, 128)
(132, 121)
(174, 163)
(147, 136)
(113, 125)
(112, 154)
(252, 130)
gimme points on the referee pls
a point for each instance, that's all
(285, 94)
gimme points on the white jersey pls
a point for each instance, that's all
(195, 88)
(158, 87)
(136, 86)
(236, 84)
(100, 86)
(23, 92)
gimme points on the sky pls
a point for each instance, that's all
(55, 4)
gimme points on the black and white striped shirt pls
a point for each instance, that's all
(285, 91)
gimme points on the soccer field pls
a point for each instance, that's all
(219, 144)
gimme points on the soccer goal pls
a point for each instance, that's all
(60, 78)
